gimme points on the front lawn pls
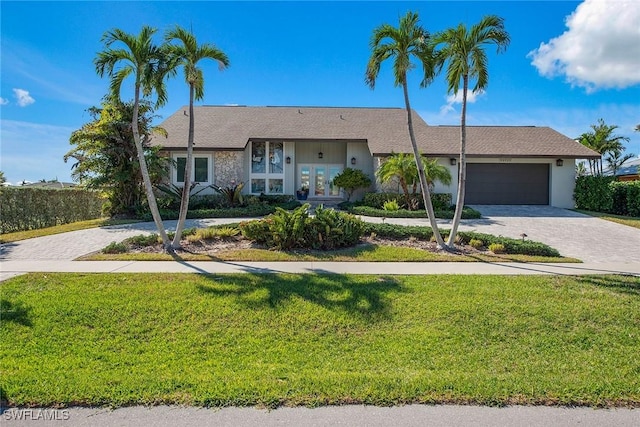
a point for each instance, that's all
(218, 340)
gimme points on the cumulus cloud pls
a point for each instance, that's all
(599, 50)
(3, 101)
(23, 97)
(457, 99)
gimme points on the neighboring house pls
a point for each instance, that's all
(49, 184)
(629, 171)
(278, 150)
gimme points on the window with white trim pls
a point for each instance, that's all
(267, 167)
(201, 169)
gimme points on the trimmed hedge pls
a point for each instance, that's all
(441, 201)
(604, 194)
(33, 208)
(238, 212)
(511, 246)
(467, 213)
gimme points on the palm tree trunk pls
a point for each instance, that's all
(151, 198)
(184, 201)
(462, 172)
(426, 194)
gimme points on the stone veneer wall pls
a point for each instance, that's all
(228, 167)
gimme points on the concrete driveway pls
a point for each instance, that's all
(590, 239)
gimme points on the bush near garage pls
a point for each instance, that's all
(604, 194)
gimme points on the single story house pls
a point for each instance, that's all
(278, 150)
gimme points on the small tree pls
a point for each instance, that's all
(350, 180)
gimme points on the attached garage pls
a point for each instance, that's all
(507, 184)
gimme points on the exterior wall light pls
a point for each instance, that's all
(320, 155)
(288, 160)
(559, 162)
(353, 160)
(452, 161)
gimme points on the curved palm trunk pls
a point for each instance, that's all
(184, 201)
(151, 198)
(426, 194)
(462, 173)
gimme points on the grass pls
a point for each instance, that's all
(631, 221)
(64, 228)
(270, 340)
(361, 253)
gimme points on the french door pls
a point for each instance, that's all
(318, 179)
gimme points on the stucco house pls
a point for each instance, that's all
(278, 150)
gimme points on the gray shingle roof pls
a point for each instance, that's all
(384, 129)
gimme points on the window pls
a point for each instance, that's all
(200, 169)
(267, 171)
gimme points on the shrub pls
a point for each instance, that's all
(143, 240)
(391, 205)
(511, 246)
(440, 201)
(34, 208)
(497, 248)
(393, 231)
(331, 229)
(284, 230)
(476, 243)
(467, 212)
(593, 193)
(211, 233)
(115, 248)
(350, 180)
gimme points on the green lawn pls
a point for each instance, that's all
(631, 221)
(120, 339)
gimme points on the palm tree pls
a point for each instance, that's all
(188, 53)
(615, 159)
(602, 140)
(402, 44)
(463, 50)
(141, 58)
(402, 167)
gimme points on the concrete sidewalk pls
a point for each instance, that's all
(348, 415)
(13, 268)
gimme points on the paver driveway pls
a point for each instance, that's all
(573, 234)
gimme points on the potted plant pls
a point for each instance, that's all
(303, 193)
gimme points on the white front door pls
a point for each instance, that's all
(318, 179)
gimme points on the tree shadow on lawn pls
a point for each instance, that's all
(629, 285)
(368, 299)
(14, 312)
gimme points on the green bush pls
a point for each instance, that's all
(593, 193)
(142, 240)
(497, 248)
(604, 194)
(393, 231)
(391, 205)
(34, 208)
(115, 248)
(350, 180)
(467, 212)
(284, 230)
(440, 201)
(476, 243)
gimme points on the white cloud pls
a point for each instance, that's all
(457, 99)
(3, 101)
(23, 97)
(599, 50)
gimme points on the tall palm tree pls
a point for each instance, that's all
(602, 140)
(409, 41)
(145, 62)
(187, 54)
(463, 50)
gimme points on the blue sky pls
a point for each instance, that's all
(568, 64)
